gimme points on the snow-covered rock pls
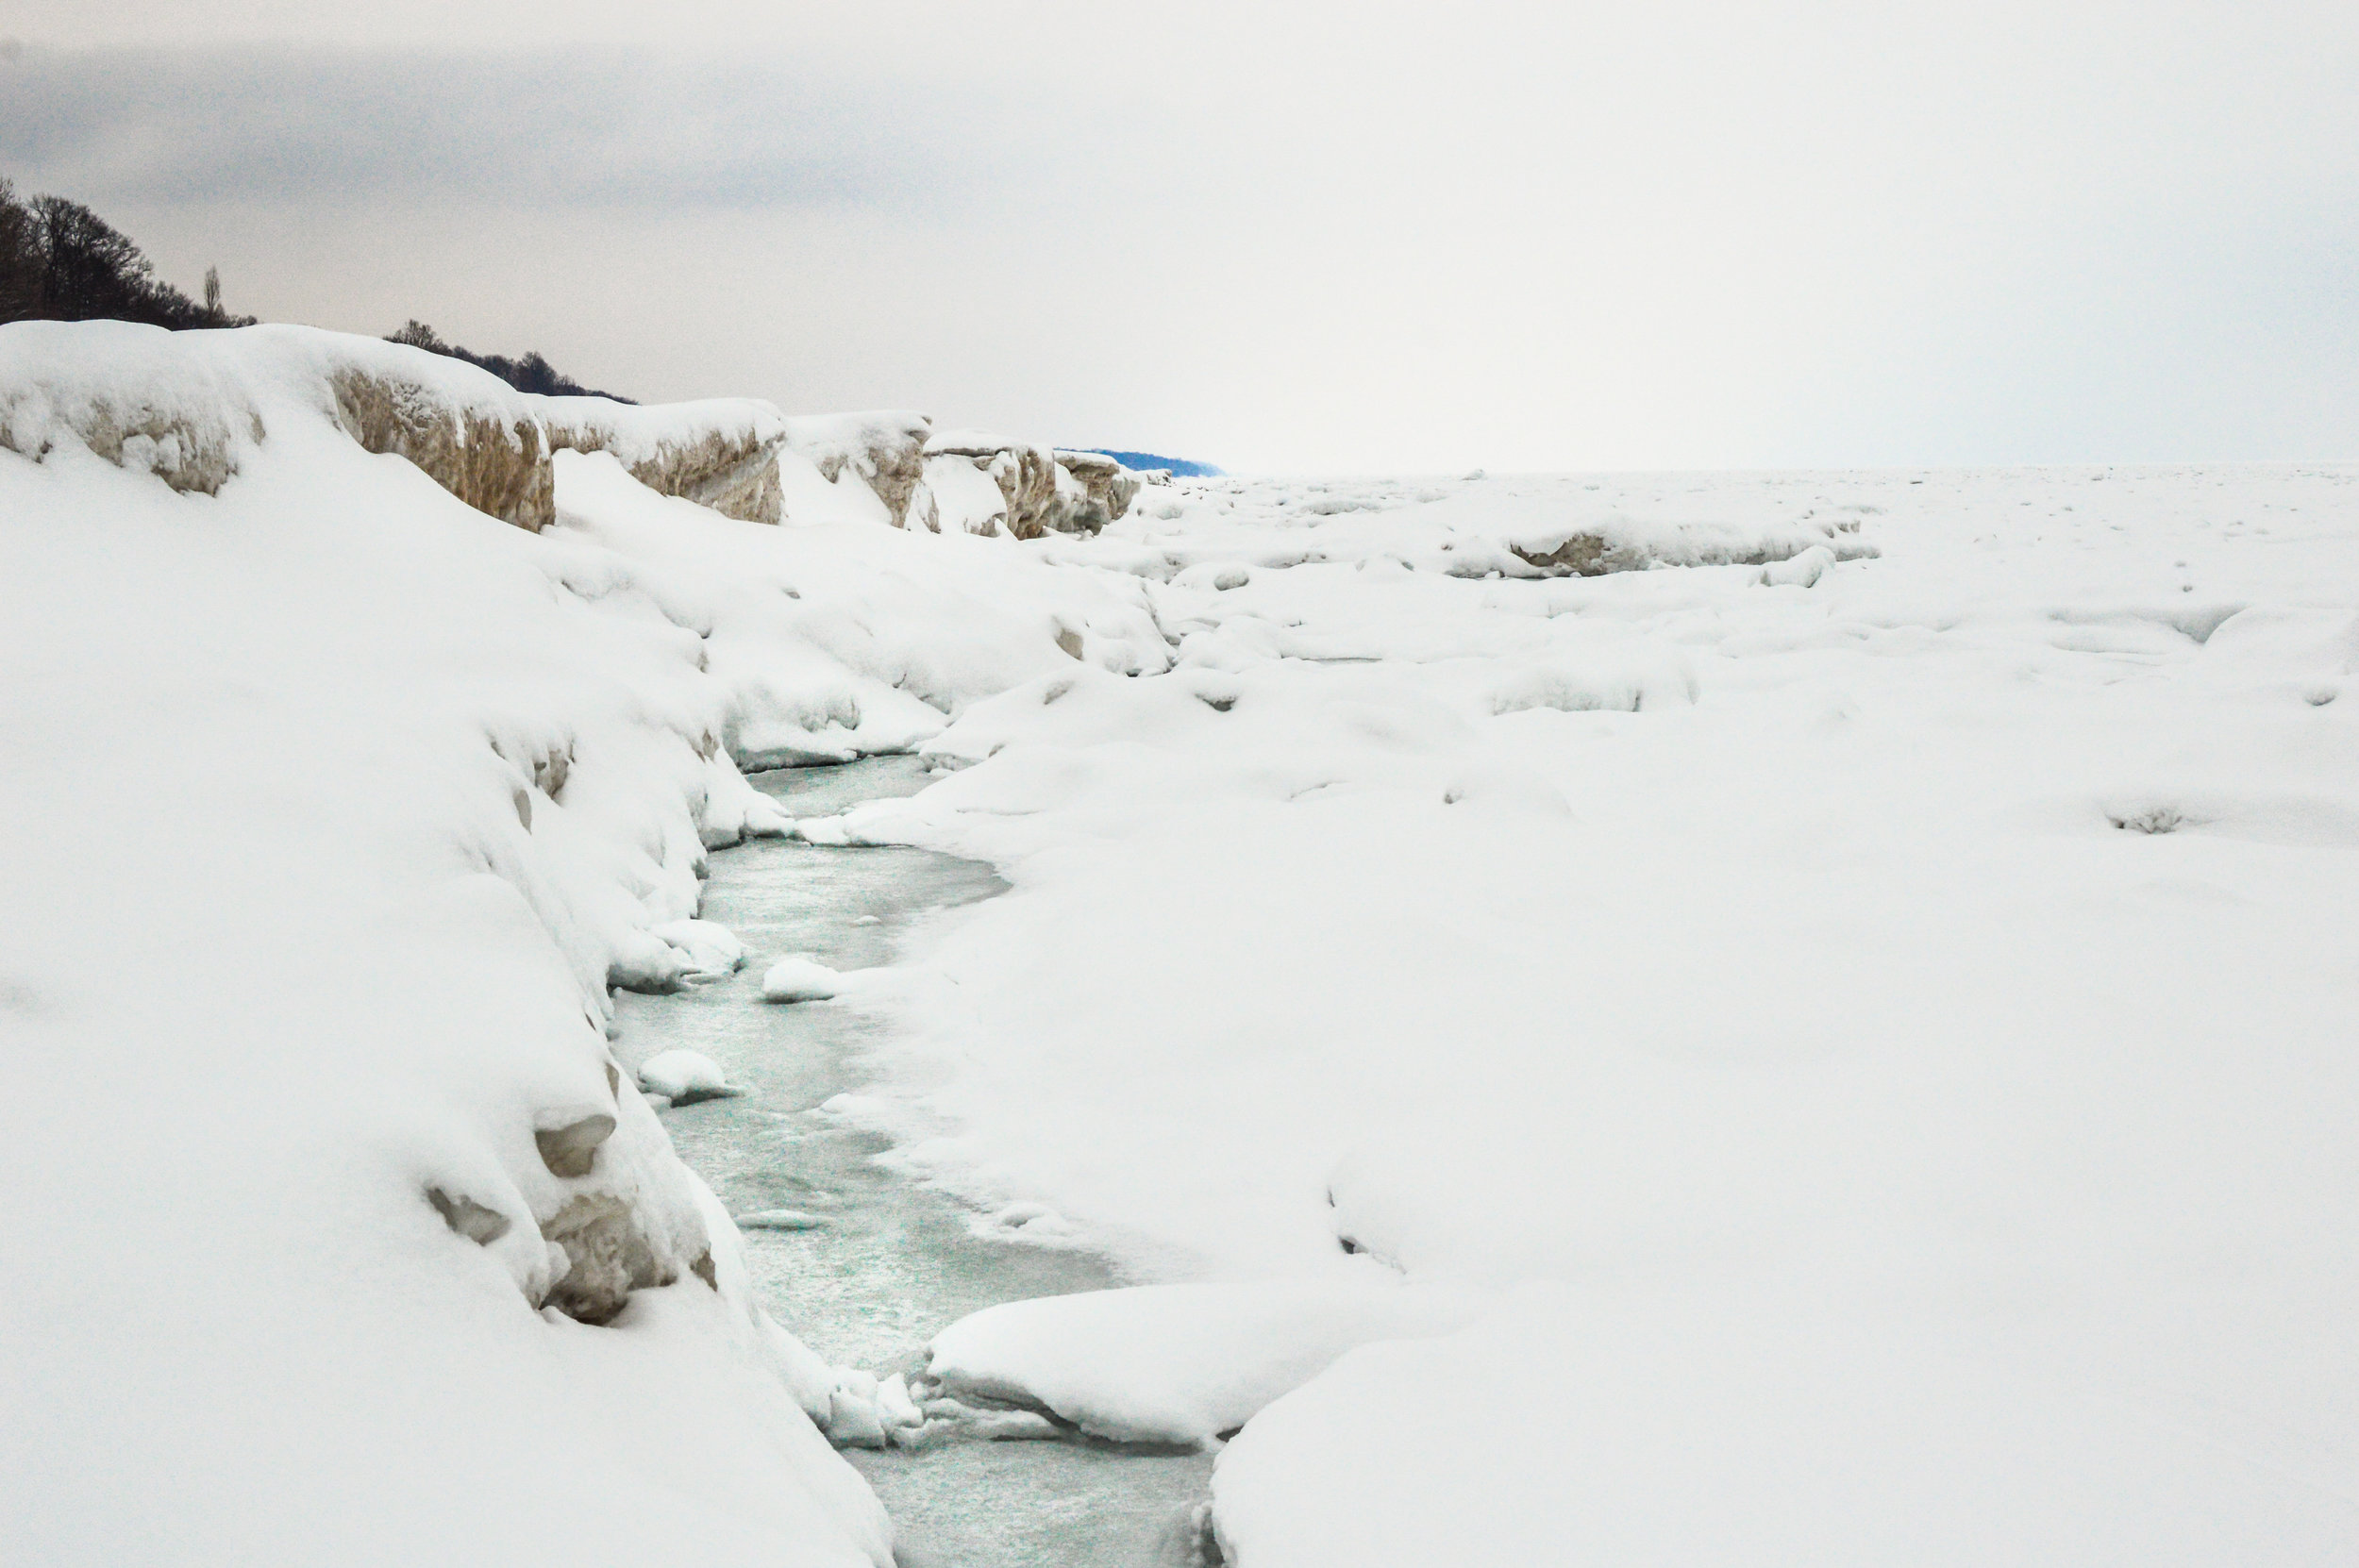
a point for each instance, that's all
(685, 1076)
(1025, 476)
(884, 450)
(1107, 490)
(712, 949)
(1039, 490)
(798, 979)
(721, 453)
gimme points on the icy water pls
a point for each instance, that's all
(892, 1262)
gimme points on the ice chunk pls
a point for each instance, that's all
(895, 1404)
(712, 949)
(853, 1421)
(1802, 571)
(685, 1077)
(799, 979)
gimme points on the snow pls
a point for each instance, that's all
(1827, 1040)
(712, 949)
(640, 433)
(370, 796)
(1947, 957)
(856, 438)
(1174, 1364)
(796, 978)
(967, 442)
(1687, 1437)
(835, 637)
(684, 1077)
(1528, 526)
(968, 500)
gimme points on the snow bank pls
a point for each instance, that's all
(186, 407)
(126, 396)
(1668, 1436)
(1945, 959)
(183, 403)
(1038, 490)
(967, 500)
(1880, 1036)
(1107, 491)
(1173, 1363)
(347, 1202)
(721, 453)
(836, 638)
(684, 1077)
(798, 979)
(1025, 476)
(885, 451)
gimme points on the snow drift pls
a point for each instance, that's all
(352, 801)
(1878, 1029)
(1831, 1053)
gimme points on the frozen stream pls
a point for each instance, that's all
(894, 1262)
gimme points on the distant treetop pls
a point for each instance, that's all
(60, 262)
(532, 374)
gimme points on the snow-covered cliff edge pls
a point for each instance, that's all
(352, 1243)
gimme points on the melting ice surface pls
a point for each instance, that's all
(892, 1262)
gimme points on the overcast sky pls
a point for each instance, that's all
(1317, 237)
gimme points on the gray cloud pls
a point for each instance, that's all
(577, 127)
(1322, 235)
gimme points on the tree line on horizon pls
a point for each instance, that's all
(61, 261)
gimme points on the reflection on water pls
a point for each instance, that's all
(894, 1262)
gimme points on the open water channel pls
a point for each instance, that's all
(893, 1262)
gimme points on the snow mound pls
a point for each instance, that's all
(800, 978)
(711, 950)
(131, 395)
(1173, 1363)
(1802, 571)
(684, 1077)
(1751, 1436)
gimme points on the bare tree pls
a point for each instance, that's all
(96, 272)
(23, 263)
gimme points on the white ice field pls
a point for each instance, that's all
(1830, 1041)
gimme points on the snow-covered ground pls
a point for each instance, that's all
(1828, 1040)
(331, 808)
(1887, 1042)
